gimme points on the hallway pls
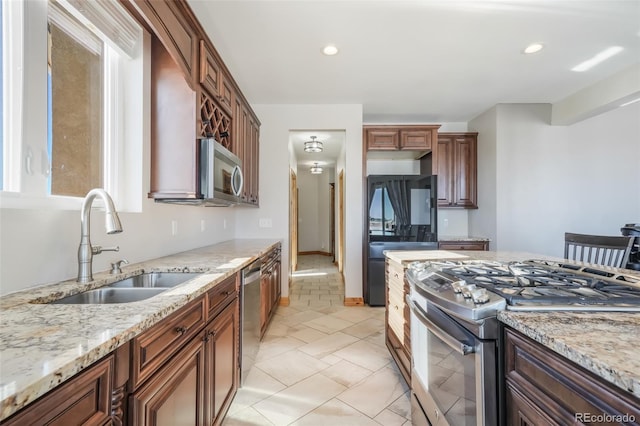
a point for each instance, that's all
(321, 363)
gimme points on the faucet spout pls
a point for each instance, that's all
(112, 225)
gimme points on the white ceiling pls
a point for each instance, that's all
(421, 61)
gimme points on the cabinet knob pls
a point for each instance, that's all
(181, 330)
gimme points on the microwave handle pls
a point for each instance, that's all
(460, 347)
(237, 172)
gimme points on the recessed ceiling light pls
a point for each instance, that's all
(533, 48)
(598, 58)
(330, 50)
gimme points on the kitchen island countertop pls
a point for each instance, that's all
(604, 343)
(43, 345)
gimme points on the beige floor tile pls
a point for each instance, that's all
(372, 395)
(245, 417)
(389, 418)
(258, 386)
(402, 405)
(365, 354)
(365, 328)
(294, 402)
(355, 314)
(328, 324)
(335, 413)
(346, 373)
(273, 346)
(308, 334)
(292, 367)
(328, 345)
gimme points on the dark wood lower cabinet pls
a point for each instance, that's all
(222, 363)
(544, 388)
(83, 400)
(174, 396)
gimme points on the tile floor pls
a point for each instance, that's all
(321, 363)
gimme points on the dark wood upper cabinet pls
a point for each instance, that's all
(400, 137)
(457, 170)
(193, 95)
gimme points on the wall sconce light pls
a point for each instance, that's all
(313, 145)
(315, 170)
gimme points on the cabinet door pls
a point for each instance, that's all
(265, 297)
(213, 78)
(416, 139)
(174, 396)
(222, 362)
(254, 137)
(465, 159)
(382, 139)
(85, 399)
(445, 170)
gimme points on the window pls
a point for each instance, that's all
(77, 121)
(382, 219)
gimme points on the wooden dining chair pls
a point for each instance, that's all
(599, 249)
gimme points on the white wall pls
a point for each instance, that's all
(314, 211)
(552, 179)
(277, 121)
(40, 246)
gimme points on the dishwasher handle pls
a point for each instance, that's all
(252, 272)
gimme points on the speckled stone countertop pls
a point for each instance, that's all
(42, 345)
(604, 343)
(461, 238)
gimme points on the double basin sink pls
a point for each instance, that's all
(132, 289)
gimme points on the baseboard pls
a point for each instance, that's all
(353, 301)
(284, 301)
(321, 253)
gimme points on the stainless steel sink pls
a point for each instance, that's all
(132, 289)
(154, 280)
(106, 295)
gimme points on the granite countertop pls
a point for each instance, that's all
(42, 345)
(604, 343)
(461, 238)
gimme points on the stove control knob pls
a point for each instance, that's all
(480, 296)
(457, 286)
(468, 290)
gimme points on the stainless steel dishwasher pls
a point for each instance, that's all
(250, 317)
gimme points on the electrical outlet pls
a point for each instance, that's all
(266, 223)
(174, 227)
(224, 223)
(202, 225)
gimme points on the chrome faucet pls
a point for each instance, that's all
(112, 224)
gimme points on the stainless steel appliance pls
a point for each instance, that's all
(633, 230)
(221, 177)
(402, 216)
(456, 337)
(249, 317)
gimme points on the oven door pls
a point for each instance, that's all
(453, 372)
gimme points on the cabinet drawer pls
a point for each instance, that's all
(84, 399)
(463, 245)
(153, 347)
(417, 139)
(220, 296)
(558, 387)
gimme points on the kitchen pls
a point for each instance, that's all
(516, 200)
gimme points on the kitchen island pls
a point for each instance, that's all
(603, 343)
(42, 345)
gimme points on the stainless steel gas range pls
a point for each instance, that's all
(456, 337)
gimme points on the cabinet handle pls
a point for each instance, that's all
(208, 335)
(181, 330)
(226, 293)
(396, 306)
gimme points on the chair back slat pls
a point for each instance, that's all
(598, 249)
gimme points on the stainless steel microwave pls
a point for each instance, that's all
(221, 177)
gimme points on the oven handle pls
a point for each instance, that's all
(460, 347)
